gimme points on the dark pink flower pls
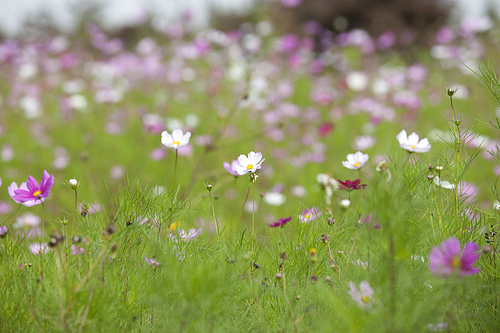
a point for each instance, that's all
(449, 258)
(351, 185)
(31, 193)
(281, 222)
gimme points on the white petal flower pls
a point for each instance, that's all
(249, 164)
(443, 183)
(274, 198)
(355, 161)
(412, 143)
(176, 140)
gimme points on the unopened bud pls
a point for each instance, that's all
(279, 276)
(439, 168)
(430, 177)
(73, 183)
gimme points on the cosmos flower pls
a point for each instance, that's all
(152, 262)
(449, 258)
(76, 250)
(274, 198)
(186, 236)
(411, 142)
(231, 168)
(309, 215)
(351, 185)
(176, 140)
(38, 248)
(363, 295)
(281, 222)
(443, 183)
(329, 184)
(355, 161)
(249, 164)
(31, 193)
(3, 231)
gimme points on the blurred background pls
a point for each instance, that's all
(66, 15)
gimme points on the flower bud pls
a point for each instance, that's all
(439, 168)
(279, 276)
(344, 204)
(73, 183)
(430, 177)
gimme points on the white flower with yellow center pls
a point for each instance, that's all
(412, 143)
(249, 164)
(176, 140)
(355, 161)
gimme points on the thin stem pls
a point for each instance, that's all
(457, 148)
(18, 207)
(41, 244)
(175, 170)
(253, 219)
(76, 212)
(215, 219)
(241, 212)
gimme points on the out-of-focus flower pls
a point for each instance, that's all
(27, 220)
(153, 123)
(443, 183)
(449, 258)
(437, 327)
(355, 161)
(345, 203)
(231, 168)
(364, 142)
(3, 231)
(329, 184)
(152, 262)
(31, 193)
(325, 129)
(363, 295)
(298, 191)
(281, 222)
(76, 250)
(467, 191)
(357, 81)
(309, 215)
(351, 185)
(412, 142)
(176, 140)
(274, 198)
(184, 236)
(249, 164)
(39, 248)
(291, 3)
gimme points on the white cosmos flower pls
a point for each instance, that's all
(443, 183)
(355, 161)
(176, 140)
(274, 198)
(412, 143)
(249, 164)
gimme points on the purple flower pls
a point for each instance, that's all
(449, 258)
(309, 215)
(231, 168)
(31, 193)
(152, 262)
(3, 231)
(282, 221)
(76, 250)
(363, 295)
(186, 236)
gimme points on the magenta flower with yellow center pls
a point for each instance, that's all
(31, 193)
(449, 258)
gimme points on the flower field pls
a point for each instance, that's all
(249, 181)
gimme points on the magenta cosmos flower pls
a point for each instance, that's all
(31, 193)
(281, 222)
(449, 258)
(351, 185)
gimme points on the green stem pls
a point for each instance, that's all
(215, 219)
(18, 207)
(253, 220)
(175, 170)
(457, 147)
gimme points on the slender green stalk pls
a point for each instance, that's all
(215, 219)
(175, 172)
(456, 135)
(253, 220)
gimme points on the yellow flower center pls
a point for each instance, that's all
(455, 262)
(174, 226)
(412, 146)
(307, 216)
(37, 193)
(176, 143)
(357, 164)
(365, 299)
(250, 167)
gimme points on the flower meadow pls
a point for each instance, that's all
(249, 181)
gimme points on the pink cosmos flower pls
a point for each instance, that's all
(31, 193)
(281, 222)
(76, 250)
(186, 236)
(231, 168)
(38, 248)
(309, 215)
(363, 295)
(449, 258)
(152, 262)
